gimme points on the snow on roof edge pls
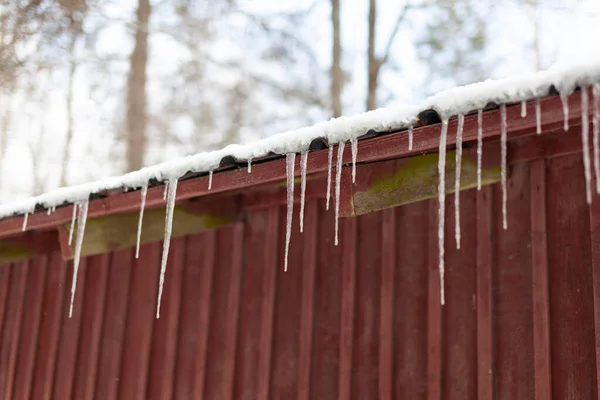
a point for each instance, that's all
(463, 99)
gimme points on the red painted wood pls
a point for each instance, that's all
(434, 309)
(485, 328)
(140, 317)
(308, 300)
(570, 282)
(539, 254)
(379, 148)
(459, 321)
(348, 286)
(267, 300)
(512, 290)
(595, 250)
(91, 326)
(195, 304)
(69, 334)
(204, 315)
(52, 307)
(410, 351)
(367, 308)
(28, 338)
(11, 328)
(4, 279)
(386, 321)
(113, 329)
(164, 338)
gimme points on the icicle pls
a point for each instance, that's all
(143, 194)
(479, 146)
(410, 137)
(49, 211)
(81, 220)
(585, 133)
(503, 129)
(25, 218)
(73, 219)
(338, 178)
(303, 161)
(354, 148)
(53, 208)
(441, 201)
(210, 174)
(523, 109)
(249, 165)
(538, 116)
(167, 240)
(166, 191)
(596, 133)
(564, 98)
(459, 135)
(290, 161)
(329, 158)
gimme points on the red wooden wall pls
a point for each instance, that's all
(357, 321)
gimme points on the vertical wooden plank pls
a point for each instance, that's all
(367, 307)
(64, 373)
(570, 281)
(205, 304)
(164, 337)
(434, 310)
(539, 258)
(267, 303)
(386, 322)
(308, 297)
(197, 282)
(348, 244)
(52, 308)
(31, 320)
(12, 327)
(233, 304)
(595, 249)
(485, 332)
(410, 303)
(4, 280)
(91, 326)
(113, 329)
(140, 317)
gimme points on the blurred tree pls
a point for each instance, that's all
(336, 72)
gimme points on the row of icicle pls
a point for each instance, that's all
(170, 189)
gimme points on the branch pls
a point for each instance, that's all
(399, 20)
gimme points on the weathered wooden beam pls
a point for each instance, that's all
(27, 245)
(393, 183)
(113, 232)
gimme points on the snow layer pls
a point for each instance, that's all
(448, 103)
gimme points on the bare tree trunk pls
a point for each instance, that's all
(136, 117)
(337, 74)
(374, 63)
(69, 134)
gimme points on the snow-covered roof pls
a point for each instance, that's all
(459, 100)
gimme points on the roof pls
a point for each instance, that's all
(562, 79)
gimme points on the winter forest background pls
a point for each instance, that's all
(92, 88)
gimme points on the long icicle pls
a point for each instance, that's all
(81, 220)
(290, 162)
(210, 175)
(596, 133)
(503, 129)
(479, 146)
(585, 134)
(249, 165)
(143, 194)
(538, 116)
(73, 219)
(442, 205)
(338, 178)
(459, 136)
(330, 160)
(49, 211)
(303, 162)
(523, 109)
(564, 98)
(354, 147)
(410, 138)
(24, 226)
(167, 239)
(166, 191)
